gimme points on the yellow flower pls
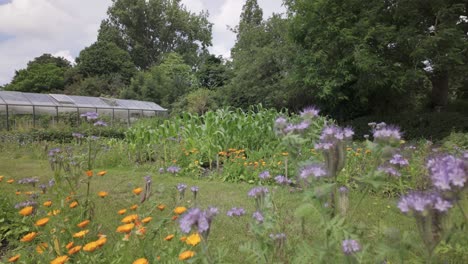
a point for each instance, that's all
(47, 203)
(28, 237)
(284, 153)
(169, 237)
(26, 211)
(60, 260)
(10, 181)
(133, 207)
(141, 261)
(14, 258)
(161, 207)
(90, 247)
(102, 173)
(368, 151)
(180, 210)
(42, 221)
(127, 228)
(41, 247)
(69, 245)
(73, 250)
(81, 234)
(101, 241)
(102, 194)
(130, 218)
(121, 212)
(138, 190)
(186, 255)
(193, 239)
(147, 219)
(83, 224)
(53, 212)
(73, 204)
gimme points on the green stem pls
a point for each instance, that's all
(461, 210)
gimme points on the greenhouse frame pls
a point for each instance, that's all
(53, 105)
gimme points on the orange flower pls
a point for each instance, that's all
(175, 217)
(60, 260)
(186, 255)
(1, 178)
(28, 237)
(101, 241)
(81, 234)
(102, 173)
(47, 203)
(73, 204)
(69, 245)
(141, 261)
(41, 247)
(180, 210)
(133, 207)
(53, 212)
(183, 239)
(102, 194)
(126, 237)
(42, 221)
(14, 258)
(141, 231)
(169, 237)
(193, 239)
(121, 212)
(10, 181)
(130, 218)
(73, 250)
(17, 192)
(90, 247)
(89, 173)
(147, 219)
(83, 224)
(161, 207)
(28, 210)
(127, 228)
(137, 191)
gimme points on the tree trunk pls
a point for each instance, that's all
(440, 88)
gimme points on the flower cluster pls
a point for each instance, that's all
(264, 175)
(384, 133)
(421, 202)
(90, 115)
(333, 135)
(31, 181)
(350, 246)
(196, 217)
(257, 192)
(236, 211)
(316, 170)
(399, 161)
(173, 169)
(282, 180)
(447, 172)
(309, 112)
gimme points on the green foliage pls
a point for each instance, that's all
(456, 141)
(150, 29)
(197, 102)
(434, 126)
(213, 72)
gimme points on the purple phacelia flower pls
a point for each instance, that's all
(258, 216)
(264, 175)
(332, 135)
(283, 180)
(310, 112)
(350, 246)
(181, 187)
(386, 134)
(77, 135)
(197, 218)
(419, 202)
(173, 169)
(343, 189)
(236, 211)
(447, 171)
(194, 189)
(279, 236)
(148, 179)
(25, 203)
(316, 170)
(100, 123)
(161, 170)
(90, 115)
(258, 192)
(389, 170)
(398, 160)
(32, 181)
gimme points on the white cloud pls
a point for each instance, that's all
(66, 54)
(195, 6)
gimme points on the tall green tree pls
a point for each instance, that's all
(213, 72)
(44, 74)
(148, 29)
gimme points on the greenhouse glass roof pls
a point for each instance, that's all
(74, 101)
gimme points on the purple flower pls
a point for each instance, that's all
(310, 112)
(25, 203)
(317, 170)
(283, 180)
(264, 175)
(161, 170)
(386, 134)
(447, 171)
(236, 211)
(350, 246)
(398, 160)
(32, 181)
(77, 135)
(258, 216)
(148, 178)
(389, 170)
(90, 115)
(100, 123)
(333, 135)
(51, 183)
(43, 188)
(54, 151)
(419, 202)
(194, 189)
(258, 192)
(281, 122)
(200, 219)
(343, 189)
(181, 187)
(173, 169)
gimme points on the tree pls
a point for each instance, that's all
(213, 72)
(44, 74)
(105, 58)
(148, 29)
(164, 83)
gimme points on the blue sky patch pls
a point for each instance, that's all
(4, 2)
(4, 36)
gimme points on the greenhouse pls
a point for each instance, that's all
(50, 108)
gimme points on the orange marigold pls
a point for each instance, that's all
(180, 210)
(81, 234)
(90, 247)
(130, 218)
(42, 221)
(102, 194)
(28, 237)
(127, 228)
(83, 224)
(122, 211)
(73, 204)
(133, 207)
(47, 203)
(186, 255)
(89, 173)
(169, 237)
(69, 245)
(74, 250)
(28, 210)
(60, 260)
(101, 241)
(102, 173)
(147, 219)
(10, 181)
(161, 207)
(141, 261)
(53, 212)
(41, 247)
(193, 239)
(138, 190)
(14, 258)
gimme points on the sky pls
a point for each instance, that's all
(30, 28)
